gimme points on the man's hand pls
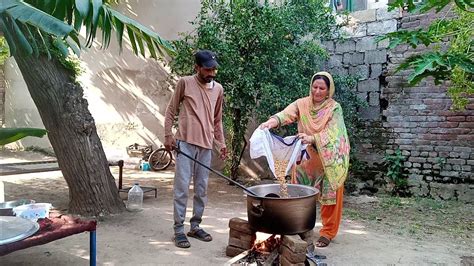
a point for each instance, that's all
(305, 139)
(223, 153)
(170, 143)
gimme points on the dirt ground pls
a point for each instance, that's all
(373, 231)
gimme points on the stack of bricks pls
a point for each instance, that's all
(241, 237)
(293, 251)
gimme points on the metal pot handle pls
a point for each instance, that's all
(257, 208)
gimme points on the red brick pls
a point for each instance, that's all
(462, 149)
(404, 141)
(292, 256)
(453, 113)
(235, 242)
(419, 130)
(424, 148)
(466, 124)
(437, 101)
(456, 161)
(466, 137)
(460, 131)
(429, 124)
(242, 236)
(433, 136)
(407, 136)
(240, 225)
(416, 118)
(294, 243)
(456, 118)
(401, 130)
(448, 124)
(421, 142)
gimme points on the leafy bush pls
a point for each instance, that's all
(396, 174)
(4, 51)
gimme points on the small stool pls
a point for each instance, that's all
(126, 189)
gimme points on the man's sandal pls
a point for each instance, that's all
(181, 241)
(200, 234)
(323, 242)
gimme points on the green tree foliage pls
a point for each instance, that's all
(267, 55)
(28, 25)
(9, 135)
(456, 63)
(4, 51)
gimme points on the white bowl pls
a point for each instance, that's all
(33, 211)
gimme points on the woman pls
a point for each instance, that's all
(320, 124)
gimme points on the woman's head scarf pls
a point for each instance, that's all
(332, 88)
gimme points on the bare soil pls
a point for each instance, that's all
(375, 230)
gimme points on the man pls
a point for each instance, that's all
(198, 100)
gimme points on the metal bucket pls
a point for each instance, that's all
(293, 215)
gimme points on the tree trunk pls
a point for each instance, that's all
(73, 135)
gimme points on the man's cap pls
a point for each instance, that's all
(206, 58)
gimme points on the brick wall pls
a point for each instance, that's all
(438, 144)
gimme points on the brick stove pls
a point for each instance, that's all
(290, 251)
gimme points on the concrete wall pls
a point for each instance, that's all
(127, 94)
(359, 55)
(20, 110)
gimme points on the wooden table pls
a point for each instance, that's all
(55, 227)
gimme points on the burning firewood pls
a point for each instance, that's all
(267, 245)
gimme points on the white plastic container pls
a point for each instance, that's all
(33, 211)
(135, 198)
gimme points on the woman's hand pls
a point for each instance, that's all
(305, 139)
(271, 123)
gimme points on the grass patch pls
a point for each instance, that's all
(416, 217)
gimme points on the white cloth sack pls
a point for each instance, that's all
(273, 147)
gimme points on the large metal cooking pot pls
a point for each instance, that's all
(293, 215)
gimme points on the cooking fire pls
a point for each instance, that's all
(248, 247)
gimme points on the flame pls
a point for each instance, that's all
(267, 245)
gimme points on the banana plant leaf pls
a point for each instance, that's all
(8, 135)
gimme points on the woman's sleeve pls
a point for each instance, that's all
(289, 115)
